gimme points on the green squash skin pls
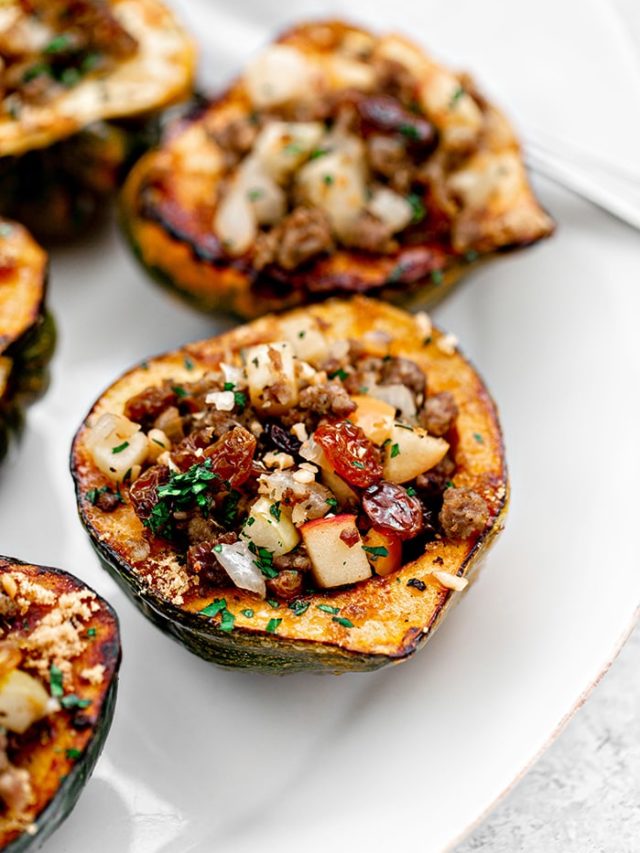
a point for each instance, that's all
(29, 377)
(66, 797)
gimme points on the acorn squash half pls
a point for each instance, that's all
(339, 162)
(27, 330)
(59, 659)
(362, 626)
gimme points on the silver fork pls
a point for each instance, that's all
(614, 189)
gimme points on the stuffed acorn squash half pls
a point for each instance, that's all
(338, 162)
(59, 658)
(307, 492)
(72, 67)
(27, 332)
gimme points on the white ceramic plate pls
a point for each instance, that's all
(408, 758)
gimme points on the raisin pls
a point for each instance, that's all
(287, 585)
(350, 453)
(190, 451)
(391, 508)
(281, 439)
(232, 456)
(144, 492)
(146, 406)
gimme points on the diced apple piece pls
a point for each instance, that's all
(335, 550)
(411, 451)
(343, 492)
(23, 700)
(375, 544)
(304, 335)
(271, 365)
(278, 75)
(117, 446)
(374, 417)
(269, 527)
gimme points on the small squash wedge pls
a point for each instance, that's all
(27, 331)
(78, 63)
(338, 162)
(259, 456)
(59, 659)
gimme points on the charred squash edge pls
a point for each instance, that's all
(189, 264)
(30, 343)
(63, 802)
(56, 120)
(254, 648)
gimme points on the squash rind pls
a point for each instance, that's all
(58, 808)
(379, 607)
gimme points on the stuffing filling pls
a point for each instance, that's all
(359, 143)
(41, 635)
(292, 465)
(49, 46)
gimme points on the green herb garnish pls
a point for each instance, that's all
(273, 603)
(73, 753)
(328, 180)
(216, 606)
(410, 131)
(332, 502)
(227, 620)
(318, 152)
(327, 608)
(179, 391)
(357, 464)
(376, 551)
(418, 210)
(58, 44)
(181, 492)
(437, 277)
(72, 701)
(91, 632)
(339, 374)
(275, 510)
(299, 607)
(240, 400)
(346, 623)
(120, 447)
(478, 438)
(395, 450)
(272, 625)
(55, 681)
(459, 92)
(264, 560)
(411, 491)
(248, 613)
(188, 363)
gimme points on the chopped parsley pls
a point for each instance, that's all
(227, 620)
(327, 608)
(217, 548)
(299, 607)
(471, 256)
(91, 632)
(332, 502)
(93, 494)
(188, 363)
(248, 613)
(230, 508)
(478, 438)
(459, 92)
(216, 606)
(272, 625)
(55, 681)
(240, 400)
(255, 194)
(273, 603)
(181, 492)
(376, 551)
(275, 510)
(328, 179)
(302, 333)
(395, 450)
(339, 374)
(264, 560)
(411, 491)
(357, 464)
(410, 131)
(404, 426)
(397, 272)
(120, 447)
(36, 71)
(73, 753)
(72, 701)
(341, 620)
(318, 152)
(293, 148)
(179, 391)
(450, 484)
(58, 44)
(437, 277)
(418, 211)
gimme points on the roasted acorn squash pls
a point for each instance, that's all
(362, 626)
(59, 659)
(81, 83)
(27, 331)
(338, 162)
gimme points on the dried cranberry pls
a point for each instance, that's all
(281, 438)
(144, 492)
(350, 453)
(232, 456)
(392, 509)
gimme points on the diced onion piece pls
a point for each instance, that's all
(336, 183)
(374, 417)
(235, 221)
(282, 146)
(23, 701)
(411, 452)
(271, 528)
(398, 396)
(266, 198)
(117, 446)
(393, 209)
(222, 401)
(309, 499)
(270, 365)
(343, 492)
(487, 177)
(158, 443)
(453, 110)
(347, 73)
(232, 373)
(333, 561)
(278, 75)
(239, 563)
(304, 335)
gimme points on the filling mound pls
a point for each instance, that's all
(49, 46)
(294, 465)
(41, 636)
